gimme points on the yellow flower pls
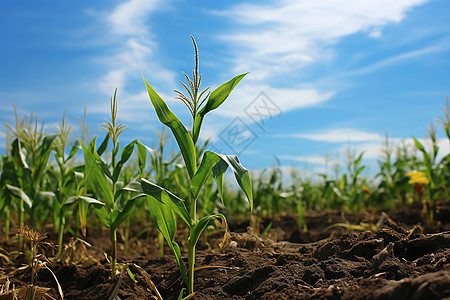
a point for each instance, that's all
(365, 189)
(414, 174)
(417, 177)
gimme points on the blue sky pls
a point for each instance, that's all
(324, 75)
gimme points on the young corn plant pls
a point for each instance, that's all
(8, 176)
(163, 173)
(63, 180)
(112, 209)
(30, 152)
(164, 204)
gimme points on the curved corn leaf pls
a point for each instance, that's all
(103, 167)
(142, 156)
(21, 194)
(419, 145)
(88, 200)
(203, 173)
(44, 151)
(16, 152)
(240, 173)
(426, 156)
(166, 222)
(218, 172)
(167, 198)
(83, 210)
(103, 145)
(216, 98)
(184, 139)
(104, 215)
(117, 217)
(73, 150)
(197, 230)
(126, 154)
(93, 173)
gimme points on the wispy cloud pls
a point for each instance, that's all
(283, 36)
(133, 45)
(399, 58)
(312, 159)
(284, 98)
(372, 151)
(338, 135)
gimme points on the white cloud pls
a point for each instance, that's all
(373, 151)
(339, 135)
(283, 36)
(312, 159)
(133, 46)
(284, 98)
(129, 17)
(397, 59)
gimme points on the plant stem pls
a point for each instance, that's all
(113, 253)
(191, 263)
(161, 244)
(60, 236)
(127, 235)
(8, 215)
(21, 246)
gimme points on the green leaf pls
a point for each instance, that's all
(104, 216)
(182, 136)
(216, 98)
(359, 170)
(93, 173)
(21, 194)
(16, 152)
(102, 165)
(90, 200)
(125, 156)
(103, 146)
(73, 150)
(358, 160)
(131, 275)
(166, 222)
(118, 217)
(240, 173)
(166, 197)
(44, 151)
(218, 172)
(83, 210)
(132, 186)
(419, 145)
(142, 156)
(426, 156)
(200, 226)
(203, 173)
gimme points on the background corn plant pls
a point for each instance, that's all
(112, 207)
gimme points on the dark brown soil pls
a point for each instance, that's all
(399, 260)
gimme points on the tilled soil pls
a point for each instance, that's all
(397, 261)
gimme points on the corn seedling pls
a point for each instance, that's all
(112, 208)
(30, 151)
(164, 204)
(63, 180)
(8, 176)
